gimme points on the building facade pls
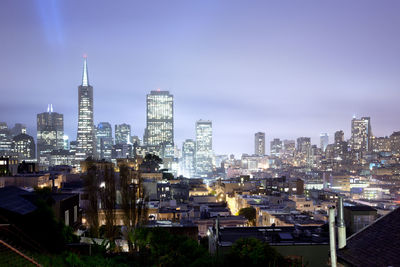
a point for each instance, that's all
(324, 141)
(259, 144)
(203, 148)
(50, 134)
(24, 147)
(122, 134)
(361, 134)
(5, 140)
(86, 143)
(304, 150)
(104, 140)
(188, 158)
(276, 147)
(159, 119)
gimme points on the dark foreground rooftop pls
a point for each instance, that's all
(376, 245)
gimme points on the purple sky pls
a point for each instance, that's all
(289, 68)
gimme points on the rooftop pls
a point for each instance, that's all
(275, 235)
(360, 208)
(11, 199)
(376, 245)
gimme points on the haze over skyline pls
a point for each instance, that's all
(242, 65)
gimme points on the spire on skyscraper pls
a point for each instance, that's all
(85, 76)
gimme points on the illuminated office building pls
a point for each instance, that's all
(66, 142)
(259, 144)
(5, 140)
(304, 149)
(395, 142)
(324, 141)
(361, 134)
(50, 133)
(86, 145)
(304, 144)
(122, 134)
(104, 140)
(340, 147)
(203, 148)
(24, 147)
(276, 147)
(188, 158)
(381, 144)
(289, 147)
(160, 119)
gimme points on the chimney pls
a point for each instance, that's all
(341, 225)
(332, 241)
(217, 227)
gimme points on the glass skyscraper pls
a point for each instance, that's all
(188, 158)
(304, 149)
(259, 144)
(104, 140)
(203, 148)
(122, 134)
(276, 147)
(86, 135)
(50, 133)
(324, 141)
(361, 134)
(160, 119)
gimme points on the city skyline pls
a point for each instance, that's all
(210, 133)
(278, 85)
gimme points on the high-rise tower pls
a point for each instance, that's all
(50, 133)
(122, 134)
(188, 158)
(104, 140)
(361, 134)
(324, 141)
(160, 119)
(204, 153)
(276, 147)
(86, 146)
(259, 144)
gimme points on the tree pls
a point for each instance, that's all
(91, 187)
(158, 247)
(108, 198)
(133, 201)
(151, 163)
(253, 252)
(250, 214)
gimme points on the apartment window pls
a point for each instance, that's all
(66, 217)
(75, 213)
